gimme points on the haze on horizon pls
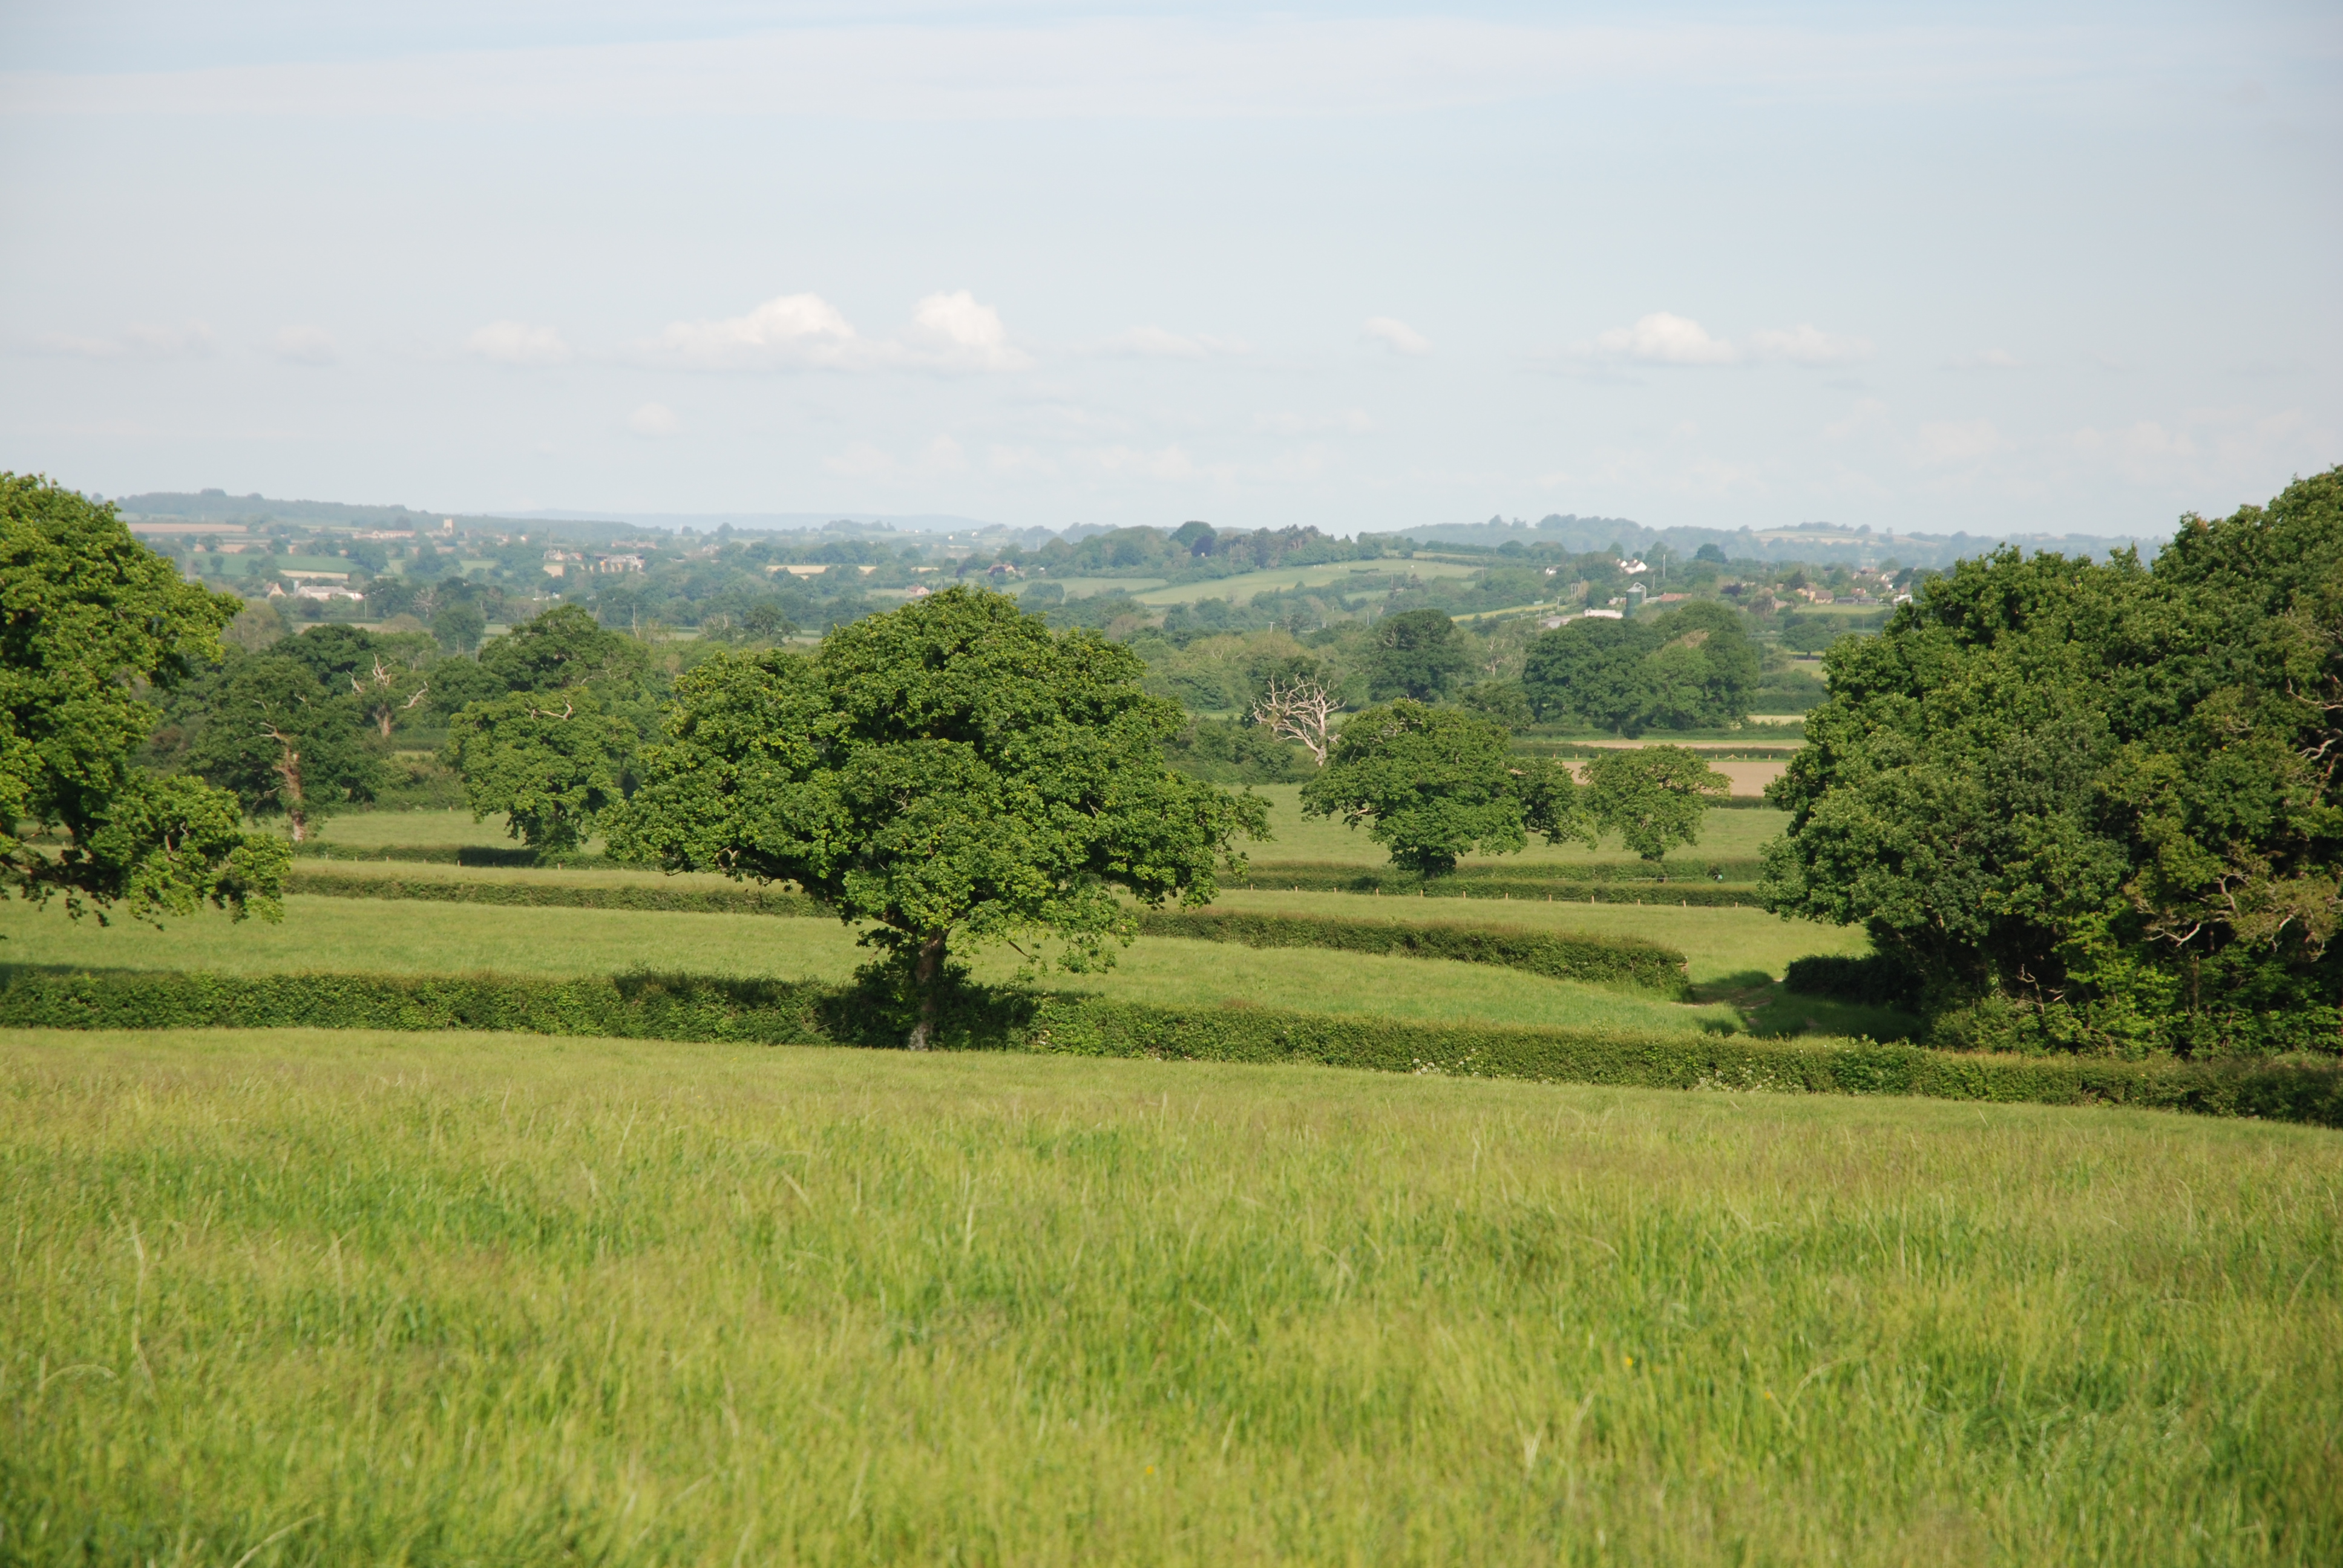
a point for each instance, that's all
(1993, 267)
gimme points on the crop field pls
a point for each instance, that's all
(303, 1298)
(416, 938)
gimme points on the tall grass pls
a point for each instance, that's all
(361, 1298)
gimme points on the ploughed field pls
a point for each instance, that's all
(300, 1297)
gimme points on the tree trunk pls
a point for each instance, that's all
(296, 811)
(926, 971)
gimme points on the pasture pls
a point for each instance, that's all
(416, 938)
(297, 1298)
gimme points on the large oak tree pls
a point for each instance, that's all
(948, 770)
(88, 615)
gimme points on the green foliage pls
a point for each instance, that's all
(283, 742)
(1595, 960)
(552, 764)
(1438, 783)
(86, 613)
(1689, 669)
(561, 707)
(1653, 797)
(564, 647)
(1505, 702)
(1235, 751)
(951, 768)
(2093, 807)
(458, 625)
(1417, 653)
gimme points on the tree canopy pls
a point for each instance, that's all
(948, 770)
(2096, 805)
(1417, 653)
(1689, 668)
(1653, 797)
(1433, 784)
(285, 742)
(87, 615)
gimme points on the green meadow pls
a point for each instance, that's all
(306, 1298)
(420, 938)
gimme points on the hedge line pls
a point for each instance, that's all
(509, 857)
(1599, 960)
(1680, 868)
(1301, 878)
(645, 895)
(782, 1012)
(1604, 961)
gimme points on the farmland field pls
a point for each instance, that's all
(1736, 835)
(1733, 835)
(305, 1298)
(1241, 588)
(415, 938)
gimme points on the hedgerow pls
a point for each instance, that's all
(1603, 961)
(779, 1012)
(644, 895)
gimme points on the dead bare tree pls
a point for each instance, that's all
(1299, 709)
(378, 695)
(287, 768)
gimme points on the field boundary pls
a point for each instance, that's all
(775, 1012)
(1596, 960)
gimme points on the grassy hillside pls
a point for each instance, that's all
(295, 1299)
(358, 934)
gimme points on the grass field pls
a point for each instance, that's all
(1241, 588)
(1727, 835)
(355, 1299)
(415, 938)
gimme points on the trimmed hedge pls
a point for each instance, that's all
(647, 895)
(1680, 868)
(1306, 878)
(1873, 980)
(1604, 961)
(1600, 959)
(686, 1008)
(510, 857)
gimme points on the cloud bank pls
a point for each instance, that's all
(948, 332)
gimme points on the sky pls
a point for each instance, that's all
(1992, 266)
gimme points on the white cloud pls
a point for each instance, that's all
(1396, 335)
(1662, 338)
(953, 332)
(1867, 415)
(1156, 343)
(192, 341)
(304, 345)
(805, 331)
(655, 420)
(1990, 359)
(519, 343)
(789, 331)
(1807, 345)
(944, 456)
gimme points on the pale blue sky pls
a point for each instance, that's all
(1926, 267)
